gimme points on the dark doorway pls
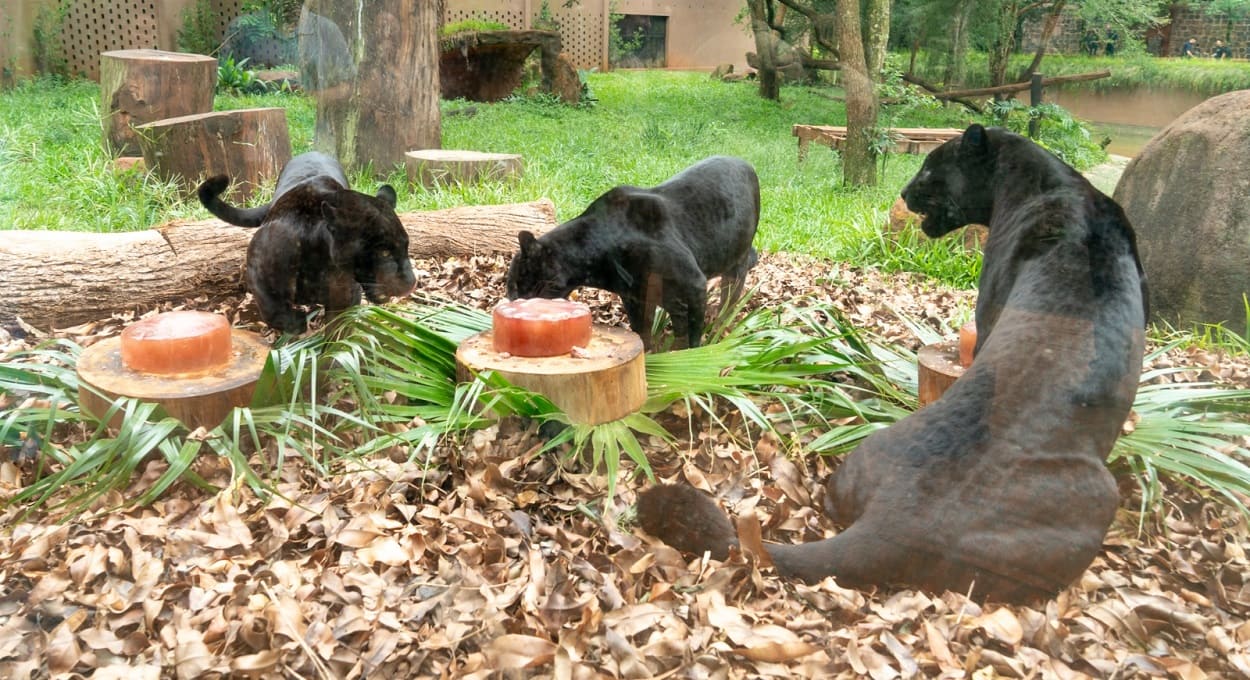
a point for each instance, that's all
(638, 41)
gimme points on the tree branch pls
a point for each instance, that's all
(1020, 87)
(935, 91)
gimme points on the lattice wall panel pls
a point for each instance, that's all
(226, 11)
(95, 26)
(582, 33)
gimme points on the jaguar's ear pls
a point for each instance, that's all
(617, 198)
(329, 210)
(527, 241)
(387, 193)
(646, 211)
(976, 140)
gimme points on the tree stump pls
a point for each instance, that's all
(196, 401)
(938, 368)
(605, 382)
(249, 145)
(140, 86)
(428, 167)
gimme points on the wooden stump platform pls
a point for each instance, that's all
(429, 167)
(196, 400)
(908, 140)
(607, 383)
(938, 368)
(141, 86)
(249, 145)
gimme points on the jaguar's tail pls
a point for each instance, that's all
(689, 520)
(210, 192)
(860, 556)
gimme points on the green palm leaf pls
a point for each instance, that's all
(385, 377)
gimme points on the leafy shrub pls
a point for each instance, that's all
(262, 33)
(1058, 131)
(49, 48)
(235, 78)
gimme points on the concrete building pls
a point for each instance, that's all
(678, 34)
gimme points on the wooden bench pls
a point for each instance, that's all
(908, 140)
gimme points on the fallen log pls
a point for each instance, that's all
(1020, 87)
(54, 279)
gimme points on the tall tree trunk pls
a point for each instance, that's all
(765, 50)
(378, 96)
(957, 62)
(859, 163)
(876, 35)
(1006, 16)
(1048, 29)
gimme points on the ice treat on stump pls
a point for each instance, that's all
(177, 342)
(967, 343)
(592, 372)
(538, 327)
(192, 364)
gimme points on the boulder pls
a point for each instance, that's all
(789, 62)
(1188, 197)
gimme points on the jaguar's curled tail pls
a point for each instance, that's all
(210, 196)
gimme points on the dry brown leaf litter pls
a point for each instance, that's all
(491, 562)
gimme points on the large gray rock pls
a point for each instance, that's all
(1188, 196)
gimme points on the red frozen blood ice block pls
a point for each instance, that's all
(177, 342)
(967, 342)
(538, 327)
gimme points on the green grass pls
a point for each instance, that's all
(55, 173)
(645, 127)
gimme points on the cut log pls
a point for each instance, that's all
(197, 401)
(140, 86)
(938, 368)
(56, 279)
(429, 167)
(249, 145)
(605, 382)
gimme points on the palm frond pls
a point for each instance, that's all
(382, 378)
(1193, 433)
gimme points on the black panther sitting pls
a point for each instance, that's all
(319, 242)
(1000, 487)
(653, 247)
